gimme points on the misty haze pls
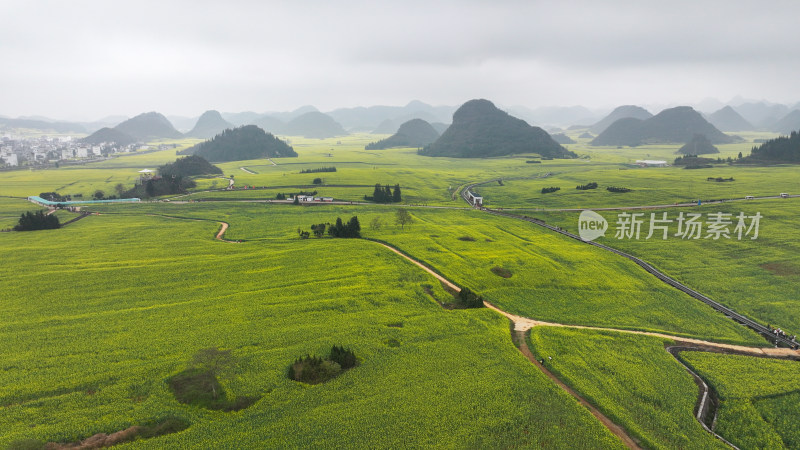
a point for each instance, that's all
(456, 224)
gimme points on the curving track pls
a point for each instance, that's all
(738, 317)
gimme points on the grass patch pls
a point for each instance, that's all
(782, 268)
(501, 272)
(392, 343)
(200, 387)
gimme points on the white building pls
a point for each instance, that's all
(651, 163)
(11, 159)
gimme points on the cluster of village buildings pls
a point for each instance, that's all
(18, 151)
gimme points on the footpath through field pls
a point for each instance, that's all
(523, 347)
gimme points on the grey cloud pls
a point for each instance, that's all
(94, 57)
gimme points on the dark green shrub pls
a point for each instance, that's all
(343, 356)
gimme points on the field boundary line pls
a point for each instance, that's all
(649, 268)
(614, 428)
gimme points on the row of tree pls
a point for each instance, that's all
(586, 187)
(351, 229)
(384, 194)
(547, 190)
(321, 169)
(29, 221)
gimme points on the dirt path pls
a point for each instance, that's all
(422, 266)
(222, 231)
(523, 347)
(524, 324)
(614, 428)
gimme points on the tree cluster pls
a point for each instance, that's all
(618, 189)
(319, 170)
(586, 187)
(55, 197)
(314, 370)
(547, 190)
(189, 166)
(29, 221)
(160, 186)
(719, 179)
(351, 229)
(384, 194)
(468, 299)
(246, 142)
(782, 149)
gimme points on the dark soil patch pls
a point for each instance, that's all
(395, 324)
(200, 387)
(467, 238)
(782, 268)
(429, 290)
(449, 290)
(501, 272)
(150, 429)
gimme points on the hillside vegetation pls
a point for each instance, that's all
(784, 149)
(242, 143)
(148, 126)
(109, 135)
(674, 125)
(480, 130)
(209, 125)
(189, 166)
(414, 133)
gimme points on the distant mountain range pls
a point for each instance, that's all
(673, 125)
(414, 133)
(727, 119)
(791, 122)
(480, 130)
(142, 128)
(313, 124)
(381, 119)
(620, 112)
(149, 126)
(109, 135)
(209, 125)
(34, 124)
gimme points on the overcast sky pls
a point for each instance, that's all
(87, 59)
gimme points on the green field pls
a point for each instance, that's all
(650, 186)
(99, 314)
(756, 277)
(631, 379)
(553, 278)
(759, 400)
(92, 355)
